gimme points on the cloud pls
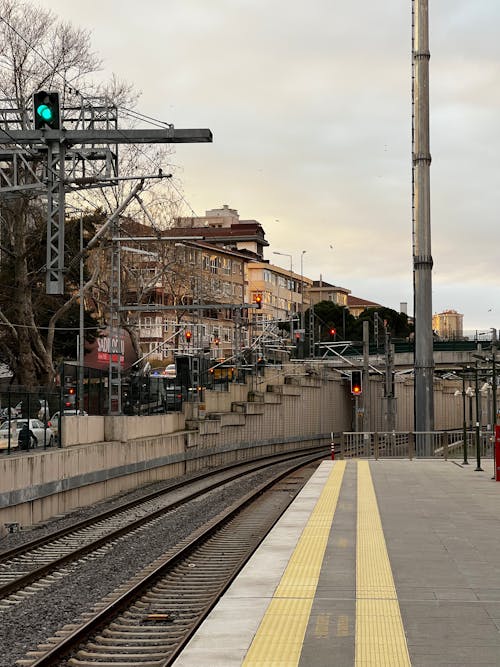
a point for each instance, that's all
(310, 106)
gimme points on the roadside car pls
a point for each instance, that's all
(170, 371)
(54, 420)
(42, 433)
(42, 414)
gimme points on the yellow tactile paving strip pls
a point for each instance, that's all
(278, 641)
(380, 637)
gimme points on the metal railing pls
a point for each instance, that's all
(434, 445)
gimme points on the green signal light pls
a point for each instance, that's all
(45, 112)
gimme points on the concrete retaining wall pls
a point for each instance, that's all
(106, 456)
(286, 409)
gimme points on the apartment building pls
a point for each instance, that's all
(320, 290)
(284, 293)
(448, 324)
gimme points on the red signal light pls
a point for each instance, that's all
(356, 383)
(258, 300)
(188, 336)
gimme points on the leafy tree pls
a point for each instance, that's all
(328, 315)
(397, 323)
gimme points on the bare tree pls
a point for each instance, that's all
(41, 52)
(38, 52)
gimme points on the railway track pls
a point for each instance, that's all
(148, 621)
(26, 569)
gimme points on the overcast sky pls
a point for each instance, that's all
(310, 107)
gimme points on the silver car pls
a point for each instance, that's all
(42, 433)
(54, 421)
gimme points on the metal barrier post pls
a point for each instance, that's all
(342, 446)
(446, 439)
(411, 445)
(375, 445)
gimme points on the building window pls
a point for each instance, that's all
(214, 264)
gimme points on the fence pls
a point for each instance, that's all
(437, 444)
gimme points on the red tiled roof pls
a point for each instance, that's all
(355, 301)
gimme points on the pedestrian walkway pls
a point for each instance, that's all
(386, 563)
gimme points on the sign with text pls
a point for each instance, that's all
(117, 347)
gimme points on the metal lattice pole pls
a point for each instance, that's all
(55, 218)
(114, 374)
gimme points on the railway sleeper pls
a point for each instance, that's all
(146, 641)
(117, 654)
(138, 620)
(74, 662)
(144, 633)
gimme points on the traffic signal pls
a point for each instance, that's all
(188, 336)
(46, 110)
(356, 383)
(258, 300)
(333, 332)
(70, 397)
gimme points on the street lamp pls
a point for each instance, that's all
(286, 254)
(464, 420)
(493, 383)
(478, 441)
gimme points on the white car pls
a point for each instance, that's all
(43, 413)
(170, 371)
(42, 433)
(54, 420)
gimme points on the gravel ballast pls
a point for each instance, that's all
(34, 619)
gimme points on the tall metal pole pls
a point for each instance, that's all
(81, 339)
(291, 299)
(114, 369)
(302, 289)
(422, 258)
(464, 425)
(366, 377)
(478, 438)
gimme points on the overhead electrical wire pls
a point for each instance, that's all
(73, 89)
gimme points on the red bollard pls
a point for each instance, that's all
(333, 451)
(496, 453)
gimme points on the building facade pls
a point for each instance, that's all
(320, 290)
(448, 324)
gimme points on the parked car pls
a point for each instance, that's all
(39, 403)
(170, 371)
(54, 420)
(175, 394)
(42, 433)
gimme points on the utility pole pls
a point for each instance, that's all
(389, 383)
(37, 164)
(422, 257)
(310, 333)
(366, 376)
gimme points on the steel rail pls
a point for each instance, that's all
(67, 536)
(67, 641)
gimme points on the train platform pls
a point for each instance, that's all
(385, 563)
